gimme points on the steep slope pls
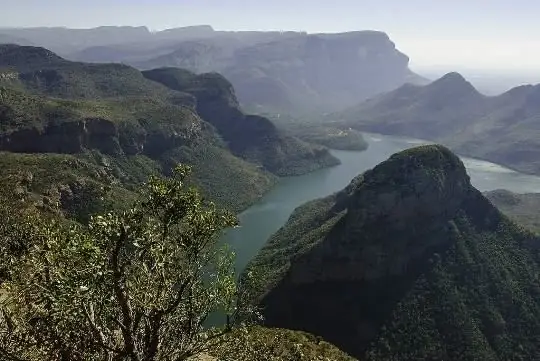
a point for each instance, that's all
(408, 262)
(138, 126)
(324, 71)
(502, 129)
(251, 137)
(508, 133)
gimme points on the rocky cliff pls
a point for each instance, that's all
(408, 262)
(128, 139)
(319, 71)
(249, 136)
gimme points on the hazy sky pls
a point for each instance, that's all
(490, 34)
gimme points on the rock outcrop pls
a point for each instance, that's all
(347, 267)
(95, 133)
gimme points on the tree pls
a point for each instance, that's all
(136, 285)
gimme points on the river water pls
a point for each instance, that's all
(264, 218)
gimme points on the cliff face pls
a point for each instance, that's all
(409, 195)
(95, 133)
(249, 136)
(71, 137)
(324, 71)
(51, 107)
(297, 72)
(350, 267)
(210, 96)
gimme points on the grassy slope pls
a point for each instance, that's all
(225, 178)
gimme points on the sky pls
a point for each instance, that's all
(476, 34)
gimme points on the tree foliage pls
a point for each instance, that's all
(134, 285)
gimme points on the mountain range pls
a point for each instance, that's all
(290, 72)
(408, 262)
(128, 124)
(503, 129)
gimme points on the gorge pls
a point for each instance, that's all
(261, 220)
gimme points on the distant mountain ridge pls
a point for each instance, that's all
(502, 129)
(277, 71)
(408, 262)
(65, 40)
(315, 72)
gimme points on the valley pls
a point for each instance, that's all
(268, 215)
(193, 193)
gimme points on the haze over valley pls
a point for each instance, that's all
(269, 181)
